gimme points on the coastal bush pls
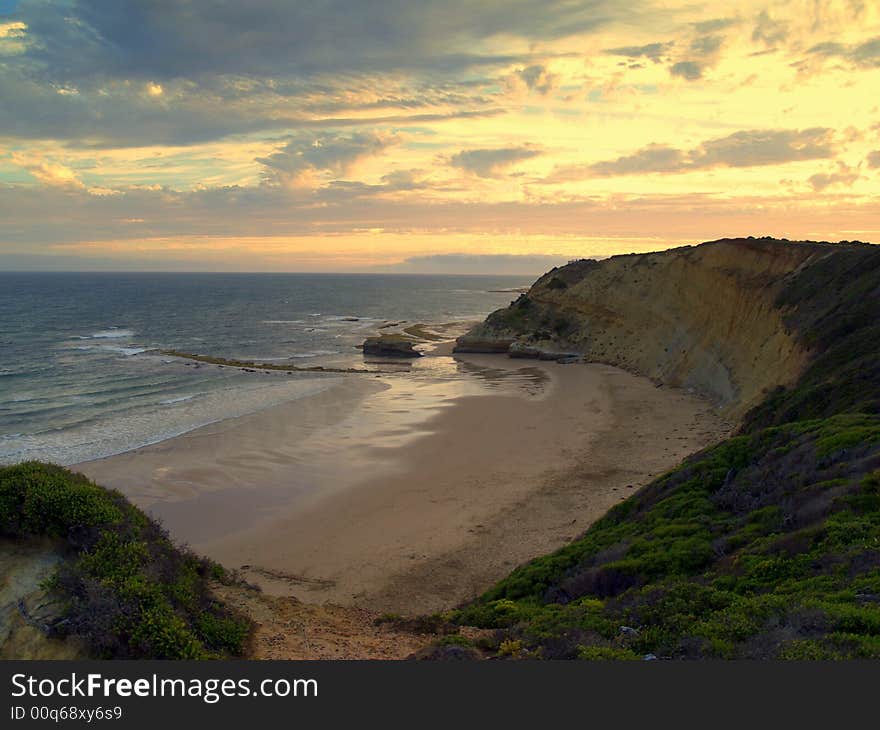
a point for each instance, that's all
(127, 590)
(766, 546)
(832, 309)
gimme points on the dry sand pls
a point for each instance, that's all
(411, 495)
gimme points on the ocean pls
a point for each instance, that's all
(80, 378)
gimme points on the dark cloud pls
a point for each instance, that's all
(239, 67)
(844, 176)
(85, 39)
(334, 154)
(537, 78)
(404, 180)
(765, 147)
(748, 148)
(863, 55)
(690, 70)
(654, 158)
(874, 159)
(706, 45)
(490, 162)
(768, 31)
(654, 51)
(716, 24)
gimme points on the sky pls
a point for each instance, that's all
(429, 135)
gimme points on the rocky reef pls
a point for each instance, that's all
(713, 317)
(390, 345)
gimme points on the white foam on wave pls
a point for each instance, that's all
(111, 334)
(128, 351)
(314, 353)
(142, 427)
(180, 399)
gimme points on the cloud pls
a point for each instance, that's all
(715, 24)
(497, 264)
(536, 78)
(690, 70)
(765, 147)
(404, 180)
(653, 158)
(48, 172)
(653, 51)
(490, 162)
(861, 55)
(874, 159)
(273, 38)
(768, 31)
(844, 176)
(747, 148)
(707, 45)
(331, 154)
(89, 71)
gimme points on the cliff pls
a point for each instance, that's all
(765, 546)
(717, 318)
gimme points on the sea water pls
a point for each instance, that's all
(81, 378)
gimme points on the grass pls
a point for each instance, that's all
(127, 590)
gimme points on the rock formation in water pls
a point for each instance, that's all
(392, 345)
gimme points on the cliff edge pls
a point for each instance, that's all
(715, 318)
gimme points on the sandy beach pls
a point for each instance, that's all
(411, 493)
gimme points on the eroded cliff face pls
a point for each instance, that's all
(702, 317)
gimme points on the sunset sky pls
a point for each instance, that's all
(428, 135)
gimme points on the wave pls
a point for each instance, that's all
(180, 399)
(314, 353)
(114, 333)
(112, 348)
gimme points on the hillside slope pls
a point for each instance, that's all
(83, 564)
(765, 546)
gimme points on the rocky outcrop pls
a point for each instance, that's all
(704, 317)
(28, 613)
(390, 346)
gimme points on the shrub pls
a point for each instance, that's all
(128, 591)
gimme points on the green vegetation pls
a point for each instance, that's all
(127, 591)
(767, 545)
(834, 309)
(764, 546)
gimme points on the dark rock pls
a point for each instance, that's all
(446, 653)
(390, 346)
(520, 350)
(466, 343)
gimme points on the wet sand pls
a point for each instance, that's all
(413, 494)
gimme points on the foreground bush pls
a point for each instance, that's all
(127, 590)
(766, 546)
